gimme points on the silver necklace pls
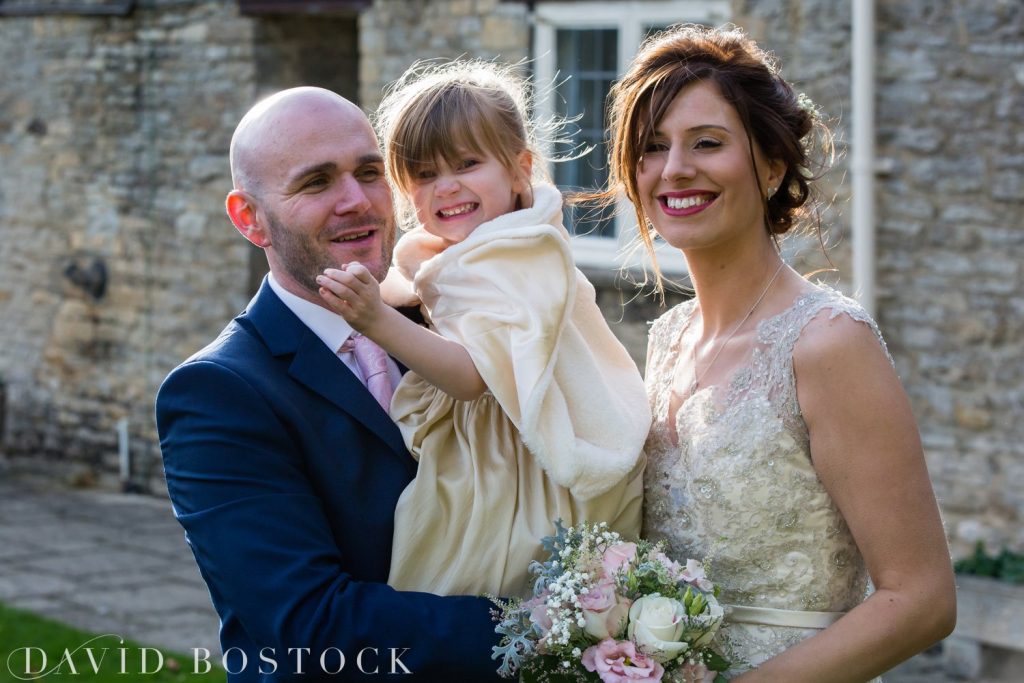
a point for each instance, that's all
(697, 377)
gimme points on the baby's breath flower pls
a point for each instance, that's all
(804, 101)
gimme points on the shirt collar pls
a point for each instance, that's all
(330, 327)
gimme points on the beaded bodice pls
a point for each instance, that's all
(739, 490)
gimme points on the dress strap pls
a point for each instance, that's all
(767, 616)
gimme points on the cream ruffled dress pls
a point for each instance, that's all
(558, 434)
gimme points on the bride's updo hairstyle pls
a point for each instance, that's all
(773, 115)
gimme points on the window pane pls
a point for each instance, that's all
(587, 68)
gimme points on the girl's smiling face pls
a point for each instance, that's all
(696, 180)
(453, 199)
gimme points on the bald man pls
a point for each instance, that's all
(282, 468)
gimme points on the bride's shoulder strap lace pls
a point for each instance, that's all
(782, 333)
(664, 332)
(778, 337)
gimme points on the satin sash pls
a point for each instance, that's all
(780, 617)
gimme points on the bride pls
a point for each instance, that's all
(784, 452)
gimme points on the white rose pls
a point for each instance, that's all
(656, 625)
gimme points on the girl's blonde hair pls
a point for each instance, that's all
(438, 110)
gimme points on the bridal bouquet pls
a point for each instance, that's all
(611, 611)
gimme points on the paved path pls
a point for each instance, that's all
(102, 562)
(118, 563)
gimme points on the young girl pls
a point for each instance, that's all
(521, 406)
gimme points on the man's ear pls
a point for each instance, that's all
(242, 212)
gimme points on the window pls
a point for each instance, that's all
(582, 48)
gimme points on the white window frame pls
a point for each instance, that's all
(629, 18)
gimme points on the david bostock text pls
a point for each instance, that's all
(30, 663)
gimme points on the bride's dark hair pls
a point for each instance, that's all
(774, 117)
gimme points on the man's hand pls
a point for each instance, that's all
(354, 294)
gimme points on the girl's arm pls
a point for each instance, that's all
(354, 294)
(867, 452)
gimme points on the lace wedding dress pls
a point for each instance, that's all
(739, 490)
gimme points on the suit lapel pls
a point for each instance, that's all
(323, 372)
(316, 367)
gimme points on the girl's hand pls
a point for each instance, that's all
(354, 294)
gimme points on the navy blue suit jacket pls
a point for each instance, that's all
(285, 474)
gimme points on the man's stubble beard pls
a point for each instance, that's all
(304, 260)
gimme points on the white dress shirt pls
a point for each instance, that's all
(331, 328)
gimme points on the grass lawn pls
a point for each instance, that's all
(111, 660)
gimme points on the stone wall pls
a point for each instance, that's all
(117, 130)
(395, 33)
(118, 260)
(951, 249)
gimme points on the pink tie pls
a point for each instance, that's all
(373, 363)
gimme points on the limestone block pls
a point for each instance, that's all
(1013, 491)
(1008, 186)
(998, 287)
(961, 657)
(915, 66)
(208, 166)
(193, 33)
(955, 212)
(487, 31)
(972, 417)
(998, 49)
(921, 338)
(962, 482)
(990, 612)
(900, 230)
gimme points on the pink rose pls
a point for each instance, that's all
(538, 607)
(617, 556)
(604, 610)
(620, 662)
(675, 570)
(695, 574)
